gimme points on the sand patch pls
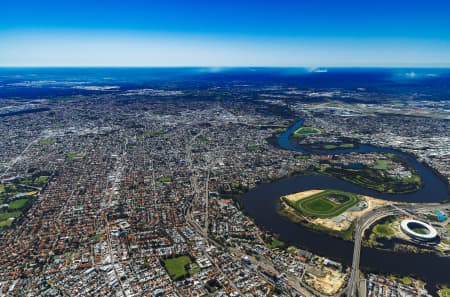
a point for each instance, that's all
(302, 195)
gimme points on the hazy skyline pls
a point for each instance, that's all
(199, 33)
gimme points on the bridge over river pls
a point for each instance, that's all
(262, 204)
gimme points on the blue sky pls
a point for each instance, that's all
(226, 33)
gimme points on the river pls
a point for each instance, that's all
(262, 204)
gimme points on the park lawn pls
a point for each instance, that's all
(383, 230)
(305, 131)
(406, 280)
(26, 180)
(382, 164)
(2, 189)
(5, 223)
(97, 236)
(280, 129)
(320, 205)
(448, 227)
(444, 292)
(165, 180)
(48, 141)
(338, 146)
(348, 234)
(18, 204)
(252, 148)
(276, 243)
(72, 156)
(415, 178)
(176, 266)
(12, 214)
(42, 179)
(10, 189)
(374, 179)
(346, 145)
(330, 146)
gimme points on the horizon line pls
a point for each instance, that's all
(230, 67)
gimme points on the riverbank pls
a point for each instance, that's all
(262, 204)
(340, 221)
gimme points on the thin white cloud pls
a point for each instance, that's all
(129, 49)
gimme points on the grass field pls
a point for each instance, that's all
(280, 129)
(383, 230)
(406, 280)
(375, 179)
(318, 205)
(326, 204)
(5, 223)
(11, 214)
(42, 179)
(8, 190)
(420, 230)
(382, 164)
(97, 235)
(48, 141)
(18, 204)
(176, 266)
(72, 156)
(252, 148)
(305, 131)
(444, 292)
(338, 146)
(330, 146)
(165, 180)
(26, 180)
(276, 244)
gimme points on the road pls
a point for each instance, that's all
(17, 158)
